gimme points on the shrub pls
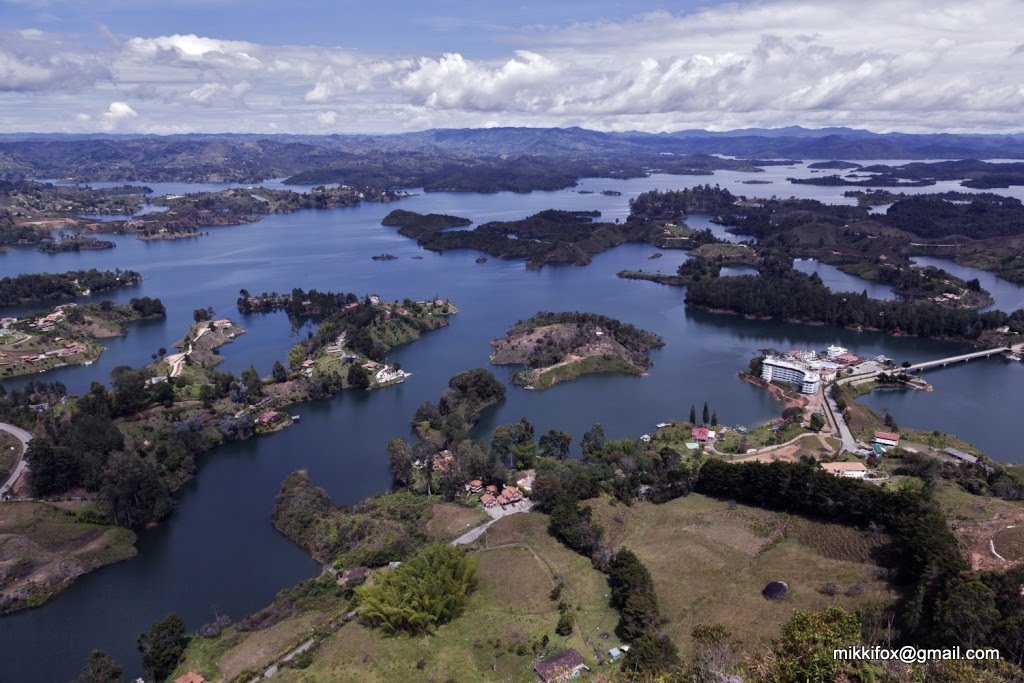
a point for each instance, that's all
(428, 590)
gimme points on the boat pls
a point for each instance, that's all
(296, 418)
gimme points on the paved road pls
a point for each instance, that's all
(473, 534)
(24, 437)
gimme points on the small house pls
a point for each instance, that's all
(512, 494)
(488, 501)
(888, 439)
(268, 418)
(565, 665)
(190, 677)
(700, 433)
(850, 470)
(475, 486)
(492, 489)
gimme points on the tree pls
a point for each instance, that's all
(817, 422)
(279, 373)
(564, 627)
(251, 379)
(627, 575)
(705, 418)
(639, 615)
(400, 460)
(555, 444)
(966, 614)
(714, 418)
(693, 415)
(162, 646)
(653, 654)
(202, 314)
(593, 440)
(100, 668)
(358, 377)
(427, 591)
(804, 652)
(890, 421)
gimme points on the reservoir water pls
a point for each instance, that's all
(219, 552)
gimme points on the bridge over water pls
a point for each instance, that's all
(963, 358)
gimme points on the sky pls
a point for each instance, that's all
(322, 66)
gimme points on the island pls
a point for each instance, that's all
(36, 287)
(75, 244)
(548, 237)
(559, 347)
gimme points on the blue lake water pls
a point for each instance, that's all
(219, 548)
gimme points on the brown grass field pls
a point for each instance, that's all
(710, 560)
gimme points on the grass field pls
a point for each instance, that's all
(710, 560)
(507, 617)
(43, 549)
(10, 449)
(1010, 543)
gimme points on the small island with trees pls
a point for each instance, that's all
(556, 347)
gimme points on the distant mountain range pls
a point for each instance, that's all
(789, 142)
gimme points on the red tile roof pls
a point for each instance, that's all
(190, 677)
(888, 436)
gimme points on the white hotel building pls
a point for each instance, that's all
(778, 369)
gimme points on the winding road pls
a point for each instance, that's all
(24, 437)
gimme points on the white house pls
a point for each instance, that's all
(851, 470)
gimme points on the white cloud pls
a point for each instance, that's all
(116, 112)
(32, 61)
(913, 65)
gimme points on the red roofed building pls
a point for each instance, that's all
(190, 677)
(699, 433)
(561, 667)
(488, 501)
(475, 486)
(268, 418)
(887, 439)
(492, 489)
(512, 494)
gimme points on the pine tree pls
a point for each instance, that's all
(705, 414)
(693, 414)
(714, 419)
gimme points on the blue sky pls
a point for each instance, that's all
(477, 27)
(322, 67)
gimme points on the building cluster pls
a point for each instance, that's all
(48, 322)
(492, 497)
(68, 349)
(807, 369)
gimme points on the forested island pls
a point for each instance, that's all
(548, 237)
(35, 287)
(803, 298)
(559, 347)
